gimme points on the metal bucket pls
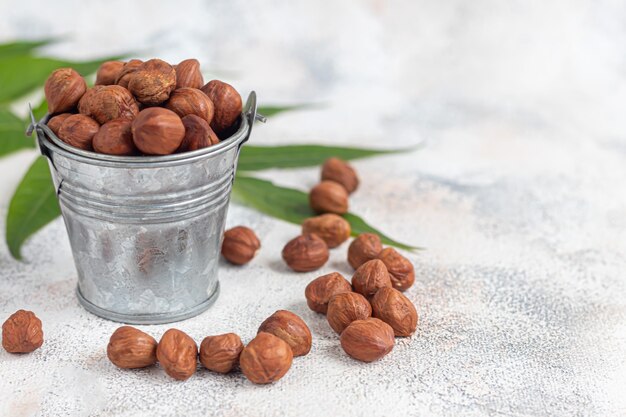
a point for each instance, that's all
(146, 232)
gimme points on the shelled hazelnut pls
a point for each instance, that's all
(115, 138)
(291, 328)
(55, 122)
(184, 101)
(78, 130)
(240, 245)
(319, 291)
(370, 277)
(157, 131)
(220, 353)
(227, 103)
(152, 82)
(367, 340)
(333, 229)
(127, 72)
(334, 169)
(344, 308)
(131, 348)
(109, 72)
(188, 74)
(178, 354)
(198, 134)
(401, 270)
(305, 253)
(63, 90)
(22, 332)
(266, 359)
(392, 307)
(364, 248)
(329, 197)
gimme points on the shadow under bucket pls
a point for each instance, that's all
(146, 232)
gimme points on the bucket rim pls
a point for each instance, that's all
(54, 145)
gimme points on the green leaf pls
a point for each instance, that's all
(12, 133)
(33, 205)
(269, 111)
(293, 206)
(21, 47)
(39, 112)
(254, 158)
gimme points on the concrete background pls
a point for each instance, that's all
(517, 194)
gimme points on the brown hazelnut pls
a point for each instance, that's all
(184, 101)
(370, 277)
(305, 253)
(188, 74)
(198, 134)
(157, 131)
(108, 72)
(115, 138)
(63, 88)
(367, 340)
(266, 359)
(344, 308)
(291, 328)
(364, 248)
(178, 354)
(400, 268)
(332, 228)
(78, 130)
(227, 103)
(334, 169)
(329, 197)
(321, 289)
(240, 245)
(392, 307)
(55, 123)
(152, 82)
(127, 72)
(220, 353)
(131, 348)
(21, 332)
(107, 102)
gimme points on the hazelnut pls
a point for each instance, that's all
(291, 328)
(131, 348)
(305, 253)
(152, 82)
(321, 289)
(178, 354)
(240, 245)
(364, 248)
(198, 134)
(344, 308)
(188, 74)
(266, 359)
(21, 332)
(333, 229)
(55, 123)
(78, 130)
(115, 138)
(227, 103)
(63, 88)
(329, 197)
(184, 101)
(334, 169)
(220, 353)
(157, 131)
(367, 340)
(370, 277)
(108, 102)
(127, 71)
(400, 269)
(108, 72)
(395, 309)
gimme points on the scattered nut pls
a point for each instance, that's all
(364, 248)
(115, 138)
(178, 354)
(321, 289)
(291, 328)
(392, 307)
(188, 74)
(221, 353)
(64, 87)
(198, 134)
(131, 348)
(152, 82)
(334, 169)
(184, 101)
(370, 277)
(227, 103)
(158, 131)
(78, 130)
(305, 253)
(109, 72)
(400, 269)
(266, 359)
(346, 307)
(367, 340)
(21, 332)
(55, 123)
(240, 245)
(329, 197)
(105, 103)
(127, 72)
(333, 229)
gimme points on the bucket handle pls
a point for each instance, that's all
(250, 112)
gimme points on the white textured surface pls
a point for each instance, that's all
(518, 194)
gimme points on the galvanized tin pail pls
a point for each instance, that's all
(146, 231)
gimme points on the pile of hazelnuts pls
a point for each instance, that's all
(141, 108)
(369, 312)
